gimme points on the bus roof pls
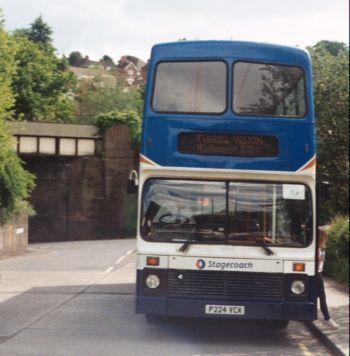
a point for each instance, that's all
(230, 49)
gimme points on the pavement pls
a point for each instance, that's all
(337, 341)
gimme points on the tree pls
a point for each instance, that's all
(332, 47)
(74, 58)
(42, 80)
(40, 33)
(96, 99)
(7, 70)
(15, 182)
(40, 84)
(331, 91)
(107, 60)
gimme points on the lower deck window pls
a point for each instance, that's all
(246, 213)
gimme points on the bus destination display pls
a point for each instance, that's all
(228, 144)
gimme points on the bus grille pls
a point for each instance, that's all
(222, 285)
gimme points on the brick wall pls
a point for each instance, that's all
(80, 198)
(14, 236)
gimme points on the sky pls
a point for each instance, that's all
(119, 27)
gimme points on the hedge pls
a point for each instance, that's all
(337, 250)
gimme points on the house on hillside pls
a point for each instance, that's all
(142, 79)
(132, 70)
(95, 76)
(99, 74)
(104, 73)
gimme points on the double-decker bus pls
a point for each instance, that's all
(226, 213)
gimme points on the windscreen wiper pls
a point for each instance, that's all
(266, 248)
(186, 244)
(192, 239)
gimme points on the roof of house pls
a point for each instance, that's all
(124, 61)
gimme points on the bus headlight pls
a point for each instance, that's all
(297, 287)
(152, 281)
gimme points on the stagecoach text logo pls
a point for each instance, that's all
(200, 264)
(222, 266)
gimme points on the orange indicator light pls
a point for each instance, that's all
(152, 261)
(298, 267)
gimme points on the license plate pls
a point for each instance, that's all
(225, 309)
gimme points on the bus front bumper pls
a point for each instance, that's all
(252, 310)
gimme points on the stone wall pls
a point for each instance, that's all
(81, 198)
(14, 236)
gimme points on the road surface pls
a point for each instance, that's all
(77, 298)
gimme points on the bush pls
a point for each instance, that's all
(337, 249)
(15, 182)
(106, 120)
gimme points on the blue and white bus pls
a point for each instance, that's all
(226, 224)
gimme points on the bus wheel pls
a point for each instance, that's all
(279, 324)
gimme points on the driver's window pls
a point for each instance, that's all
(183, 207)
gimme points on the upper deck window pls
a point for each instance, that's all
(190, 87)
(268, 89)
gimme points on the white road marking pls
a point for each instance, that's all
(129, 252)
(120, 259)
(109, 269)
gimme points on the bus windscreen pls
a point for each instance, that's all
(243, 213)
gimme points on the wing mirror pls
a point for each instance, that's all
(132, 183)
